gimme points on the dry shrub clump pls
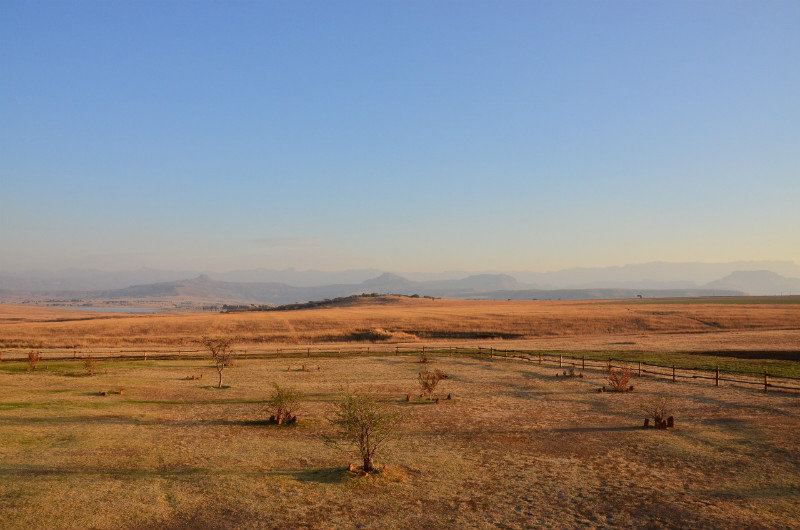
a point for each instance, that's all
(33, 360)
(570, 373)
(618, 378)
(658, 409)
(283, 403)
(429, 380)
(365, 425)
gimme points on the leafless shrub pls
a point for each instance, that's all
(657, 408)
(283, 403)
(33, 360)
(429, 380)
(365, 425)
(90, 364)
(424, 357)
(618, 378)
(221, 352)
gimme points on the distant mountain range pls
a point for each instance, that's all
(655, 275)
(203, 289)
(207, 289)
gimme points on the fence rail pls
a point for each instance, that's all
(764, 379)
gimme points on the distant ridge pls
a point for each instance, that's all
(204, 289)
(757, 283)
(654, 275)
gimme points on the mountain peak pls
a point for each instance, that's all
(390, 276)
(760, 282)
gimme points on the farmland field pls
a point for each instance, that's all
(515, 446)
(695, 325)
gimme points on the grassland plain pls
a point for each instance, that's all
(515, 447)
(403, 320)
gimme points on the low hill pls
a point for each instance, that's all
(757, 283)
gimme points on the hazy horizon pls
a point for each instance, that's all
(408, 136)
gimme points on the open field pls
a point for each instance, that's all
(404, 320)
(515, 447)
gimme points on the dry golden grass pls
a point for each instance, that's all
(516, 447)
(409, 320)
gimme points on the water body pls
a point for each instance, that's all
(114, 309)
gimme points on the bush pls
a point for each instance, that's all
(429, 380)
(283, 403)
(33, 360)
(90, 364)
(365, 425)
(657, 408)
(618, 378)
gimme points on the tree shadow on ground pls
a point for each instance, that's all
(598, 429)
(328, 475)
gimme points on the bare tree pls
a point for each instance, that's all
(283, 403)
(364, 424)
(429, 380)
(221, 352)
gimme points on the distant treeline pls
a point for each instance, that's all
(315, 304)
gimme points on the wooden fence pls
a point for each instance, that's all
(762, 380)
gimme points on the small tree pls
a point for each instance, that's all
(283, 402)
(364, 424)
(221, 352)
(90, 364)
(429, 380)
(33, 360)
(618, 378)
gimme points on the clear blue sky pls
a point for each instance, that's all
(398, 135)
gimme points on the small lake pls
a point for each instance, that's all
(112, 309)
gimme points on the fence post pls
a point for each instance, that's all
(640, 368)
(145, 355)
(397, 350)
(673, 373)
(765, 380)
(583, 363)
(491, 352)
(560, 361)
(540, 358)
(716, 376)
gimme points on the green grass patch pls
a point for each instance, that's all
(746, 300)
(684, 360)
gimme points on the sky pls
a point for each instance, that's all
(430, 136)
